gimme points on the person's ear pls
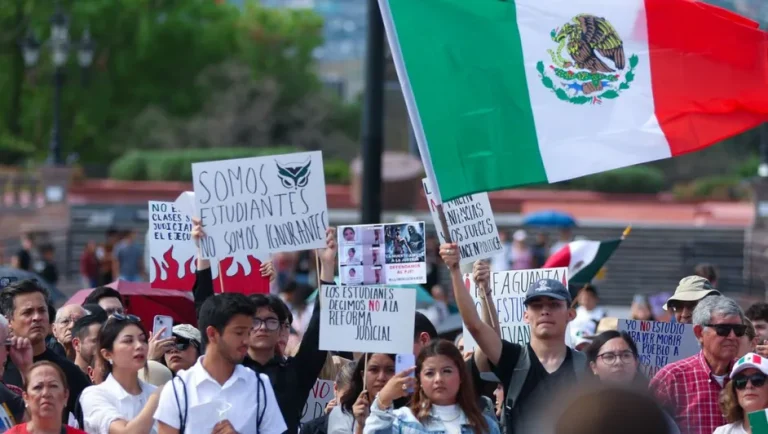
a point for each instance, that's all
(593, 367)
(571, 314)
(76, 344)
(526, 318)
(699, 332)
(212, 334)
(105, 355)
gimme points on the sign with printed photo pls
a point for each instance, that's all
(382, 254)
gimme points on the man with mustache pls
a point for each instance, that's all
(25, 304)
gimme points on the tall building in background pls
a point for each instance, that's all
(340, 59)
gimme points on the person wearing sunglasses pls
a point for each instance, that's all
(689, 388)
(186, 350)
(746, 392)
(690, 291)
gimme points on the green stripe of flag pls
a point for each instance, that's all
(759, 422)
(465, 66)
(604, 252)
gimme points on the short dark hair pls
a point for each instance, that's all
(219, 310)
(757, 312)
(80, 329)
(102, 292)
(10, 292)
(707, 271)
(273, 303)
(46, 248)
(422, 324)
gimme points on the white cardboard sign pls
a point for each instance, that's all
(660, 343)
(367, 319)
(261, 205)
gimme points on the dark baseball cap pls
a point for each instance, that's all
(548, 288)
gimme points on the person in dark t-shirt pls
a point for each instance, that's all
(551, 363)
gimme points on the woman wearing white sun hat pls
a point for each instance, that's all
(745, 393)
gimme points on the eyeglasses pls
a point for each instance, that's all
(183, 343)
(757, 380)
(679, 306)
(68, 320)
(271, 324)
(611, 358)
(121, 317)
(724, 330)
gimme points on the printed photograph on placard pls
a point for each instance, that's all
(351, 274)
(404, 243)
(382, 254)
(349, 235)
(373, 275)
(373, 235)
(352, 255)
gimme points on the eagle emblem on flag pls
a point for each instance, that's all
(596, 66)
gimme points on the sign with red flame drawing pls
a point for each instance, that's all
(261, 205)
(171, 248)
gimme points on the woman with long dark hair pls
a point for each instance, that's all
(355, 403)
(122, 403)
(444, 398)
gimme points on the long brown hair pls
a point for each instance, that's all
(421, 406)
(729, 404)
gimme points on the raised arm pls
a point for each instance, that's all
(309, 360)
(484, 335)
(203, 277)
(481, 273)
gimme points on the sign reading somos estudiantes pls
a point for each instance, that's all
(261, 205)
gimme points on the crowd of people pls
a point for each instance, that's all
(95, 368)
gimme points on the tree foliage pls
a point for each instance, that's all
(168, 74)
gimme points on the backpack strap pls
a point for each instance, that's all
(579, 364)
(182, 419)
(518, 377)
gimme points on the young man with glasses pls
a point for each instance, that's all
(218, 383)
(690, 388)
(292, 378)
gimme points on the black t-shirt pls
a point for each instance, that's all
(25, 260)
(14, 404)
(539, 387)
(76, 379)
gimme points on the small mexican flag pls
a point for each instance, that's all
(584, 258)
(758, 421)
(503, 93)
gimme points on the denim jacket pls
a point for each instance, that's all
(402, 421)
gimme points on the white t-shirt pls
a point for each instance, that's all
(108, 402)
(204, 402)
(450, 416)
(731, 428)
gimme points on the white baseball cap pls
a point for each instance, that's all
(750, 360)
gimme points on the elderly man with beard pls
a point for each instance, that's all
(689, 389)
(63, 324)
(25, 304)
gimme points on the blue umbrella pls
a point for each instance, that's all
(552, 219)
(422, 296)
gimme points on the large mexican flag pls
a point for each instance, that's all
(504, 93)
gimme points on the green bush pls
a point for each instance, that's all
(749, 168)
(712, 188)
(176, 165)
(635, 179)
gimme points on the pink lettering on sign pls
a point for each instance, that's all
(321, 389)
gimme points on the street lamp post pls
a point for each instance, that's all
(59, 46)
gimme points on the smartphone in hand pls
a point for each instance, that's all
(403, 362)
(162, 322)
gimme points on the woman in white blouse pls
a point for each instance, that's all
(122, 404)
(444, 400)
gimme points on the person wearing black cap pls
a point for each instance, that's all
(530, 373)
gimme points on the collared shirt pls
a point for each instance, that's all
(236, 401)
(688, 389)
(108, 402)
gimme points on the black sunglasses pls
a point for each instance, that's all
(724, 330)
(757, 380)
(183, 343)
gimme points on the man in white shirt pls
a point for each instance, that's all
(216, 394)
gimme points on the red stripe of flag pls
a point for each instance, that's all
(709, 72)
